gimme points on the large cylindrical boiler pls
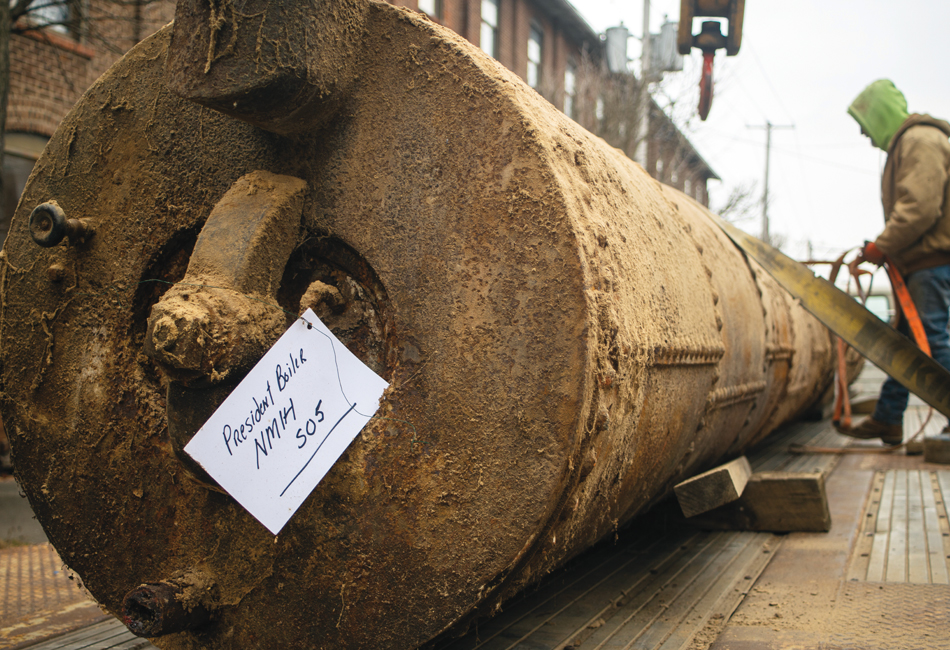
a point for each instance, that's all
(565, 338)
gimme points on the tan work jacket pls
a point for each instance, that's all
(915, 191)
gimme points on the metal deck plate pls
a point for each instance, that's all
(42, 607)
(32, 580)
(891, 616)
(772, 455)
(674, 592)
(905, 537)
(640, 593)
(106, 635)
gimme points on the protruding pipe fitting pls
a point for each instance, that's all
(161, 608)
(49, 226)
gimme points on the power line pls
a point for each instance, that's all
(758, 62)
(826, 162)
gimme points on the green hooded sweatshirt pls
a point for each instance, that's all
(880, 109)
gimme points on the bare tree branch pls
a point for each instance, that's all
(18, 9)
(28, 19)
(741, 204)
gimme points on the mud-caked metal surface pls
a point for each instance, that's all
(565, 338)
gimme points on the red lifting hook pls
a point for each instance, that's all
(706, 85)
(710, 38)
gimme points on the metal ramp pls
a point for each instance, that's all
(632, 594)
(905, 536)
(42, 607)
(110, 634)
(662, 584)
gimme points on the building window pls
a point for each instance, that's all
(535, 43)
(21, 152)
(61, 16)
(431, 7)
(570, 83)
(488, 39)
(688, 188)
(659, 169)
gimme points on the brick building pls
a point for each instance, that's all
(52, 66)
(671, 159)
(550, 46)
(545, 42)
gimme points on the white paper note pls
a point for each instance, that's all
(284, 426)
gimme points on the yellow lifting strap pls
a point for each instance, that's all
(884, 346)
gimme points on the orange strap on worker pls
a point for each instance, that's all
(907, 305)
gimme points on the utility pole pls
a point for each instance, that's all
(766, 236)
(644, 113)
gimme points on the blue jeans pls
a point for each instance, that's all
(930, 291)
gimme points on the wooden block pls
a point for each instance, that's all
(778, 502)
(937, 449)
(714, 488)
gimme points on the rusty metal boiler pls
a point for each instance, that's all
(565, 338)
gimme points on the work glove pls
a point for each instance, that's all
(871, 253)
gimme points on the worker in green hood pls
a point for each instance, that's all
(915, 192)
(880, 110)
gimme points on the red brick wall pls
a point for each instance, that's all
(461, 16)
(455, 16)
(45, 81)
(50, 71)
(507, 35)
(673, 155)
(514, 24)
(473, 15)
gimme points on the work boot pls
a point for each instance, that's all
(890, 434)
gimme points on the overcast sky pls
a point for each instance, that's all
(802, 64)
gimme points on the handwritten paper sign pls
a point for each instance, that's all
(281, 430)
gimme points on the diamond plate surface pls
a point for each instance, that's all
(893, 616)
(43, 607)
(32, 580)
